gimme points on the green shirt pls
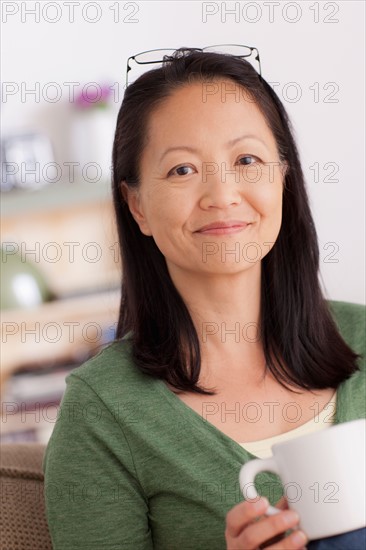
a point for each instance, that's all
(130, 466)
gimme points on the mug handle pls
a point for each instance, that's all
(248, 473)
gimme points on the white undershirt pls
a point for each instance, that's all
(262, 448)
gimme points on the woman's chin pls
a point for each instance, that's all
(227, 268)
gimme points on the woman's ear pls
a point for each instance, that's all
(133, 199)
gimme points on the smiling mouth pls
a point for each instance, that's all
(222, 228)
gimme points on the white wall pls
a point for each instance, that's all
(318, 45)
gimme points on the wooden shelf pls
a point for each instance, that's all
(68, 231)
(75, 221)
(62, 329)
(53, 197)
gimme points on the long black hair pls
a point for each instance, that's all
(301, 342)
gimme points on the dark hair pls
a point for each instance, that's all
(301, 342)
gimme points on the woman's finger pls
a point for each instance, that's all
(243, 513)
(295, 541)
(258, 533)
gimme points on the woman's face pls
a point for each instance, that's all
(192, 176)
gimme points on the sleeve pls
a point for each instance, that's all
(92, 494)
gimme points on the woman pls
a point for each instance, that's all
(224, 337)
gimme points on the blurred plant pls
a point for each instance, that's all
(99, 97)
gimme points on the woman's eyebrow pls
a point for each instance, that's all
(229, 144)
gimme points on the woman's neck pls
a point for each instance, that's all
(225, 310)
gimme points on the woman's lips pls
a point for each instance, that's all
(221, 228)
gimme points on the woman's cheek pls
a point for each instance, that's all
(265, 198)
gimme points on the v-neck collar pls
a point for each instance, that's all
(205, 424)
(197, 419)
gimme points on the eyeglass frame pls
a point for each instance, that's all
(251, 48)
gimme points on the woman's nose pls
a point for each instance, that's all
(220, 185)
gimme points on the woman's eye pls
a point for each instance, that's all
(247, 159)
(180, 170)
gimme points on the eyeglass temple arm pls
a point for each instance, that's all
(257, 57)
(128, 68)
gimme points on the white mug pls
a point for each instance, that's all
(323, 476)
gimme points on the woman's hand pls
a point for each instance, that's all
(248, 529)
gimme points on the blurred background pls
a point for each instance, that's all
(62, 83)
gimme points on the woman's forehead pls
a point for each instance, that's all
(184, 115)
